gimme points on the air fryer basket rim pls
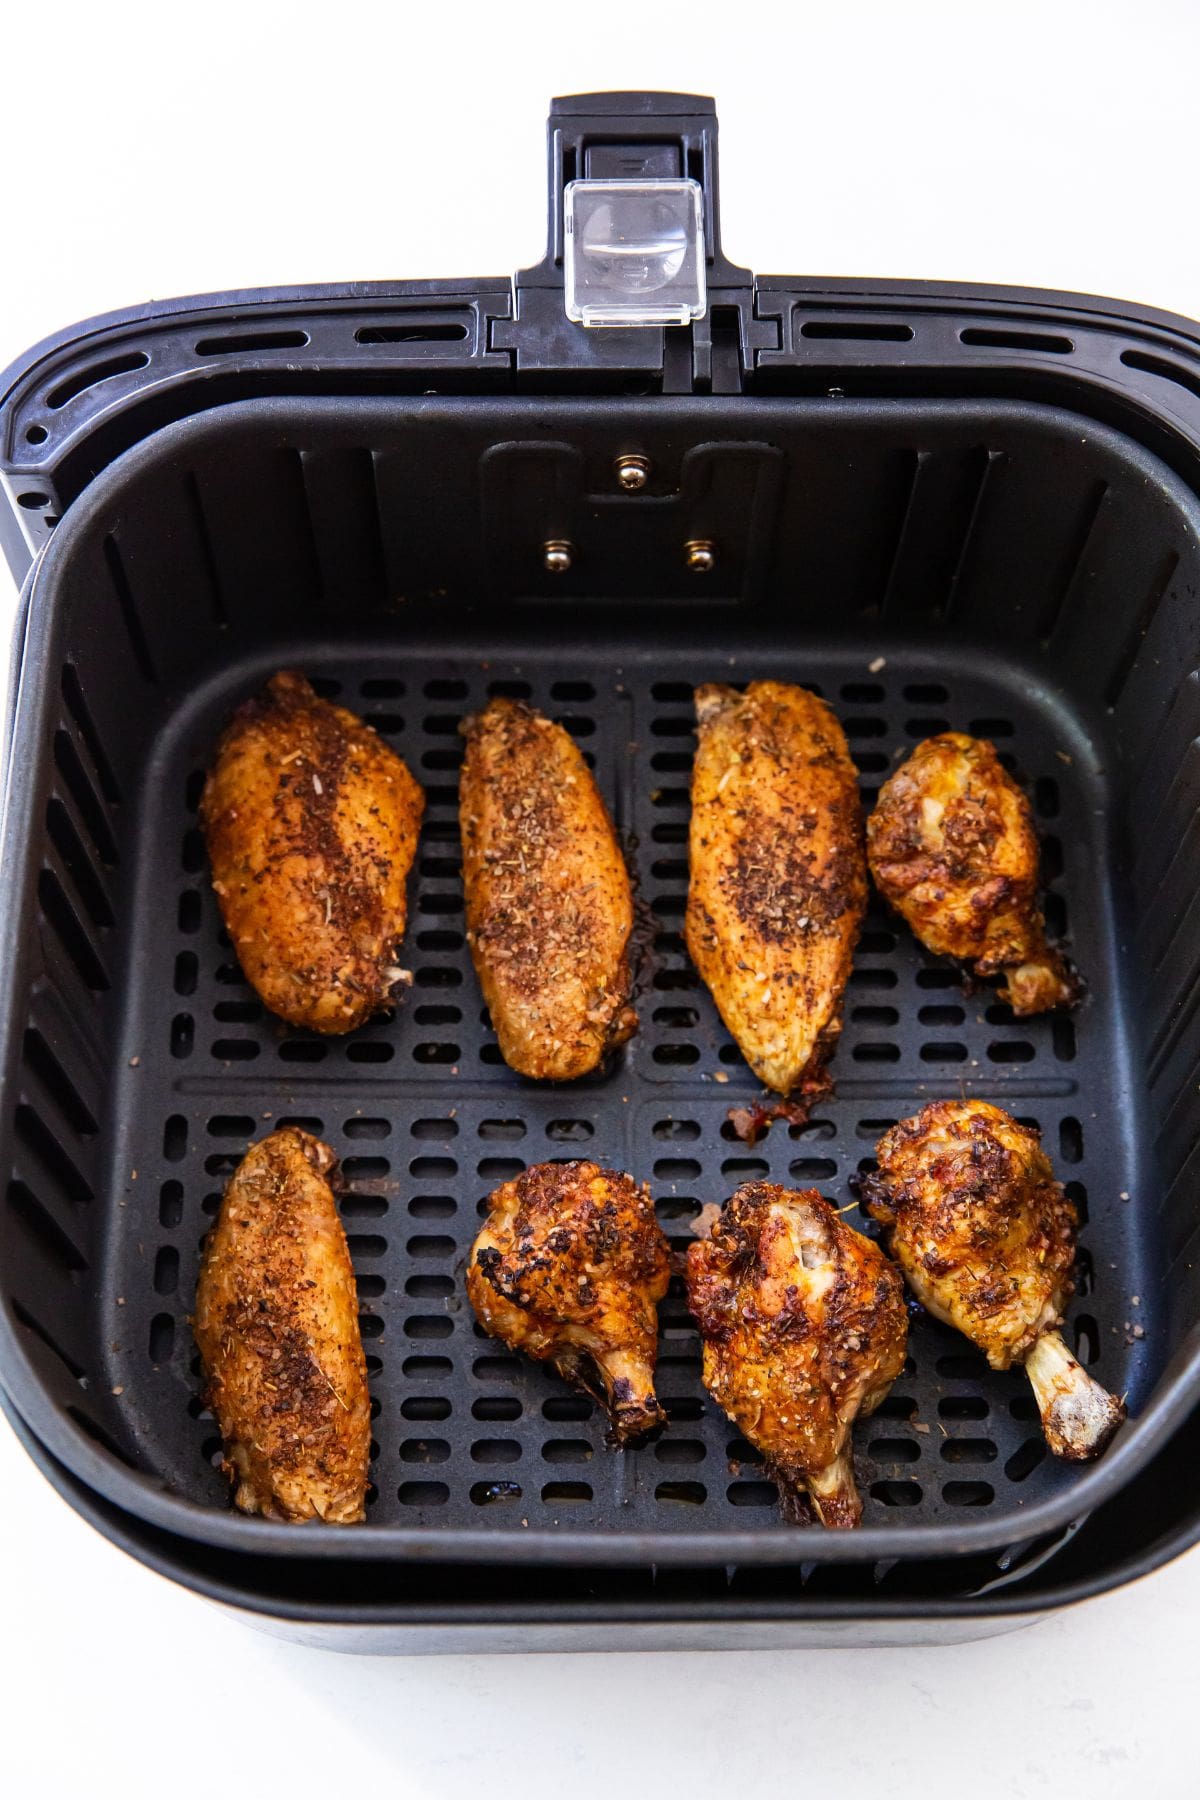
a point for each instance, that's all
(1177, 1393)
(186, 1564)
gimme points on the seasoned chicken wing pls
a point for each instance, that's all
(569, 1268)
(312, 826)
(778, 879)
(277, 1326)
(804, 1329)
(548, 902)
(986, 1238)
(952, 847)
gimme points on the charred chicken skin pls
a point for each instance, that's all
(986, 1238)
(277, 1327)
(952, 847)
(548, 902)
(311, 823)
(804, 1330)
(569, 1268)
(778, 881)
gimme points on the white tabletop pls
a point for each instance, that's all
(156, 150)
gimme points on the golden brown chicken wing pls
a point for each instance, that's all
(778, 880)
(548, 902)
(804, 1330)
(569, 1268)
(312, 826)
(952, 847)
(277, 1326)
(986, 1238)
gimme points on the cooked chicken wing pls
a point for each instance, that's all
(986, 1238)
(312, 827)
(778, 879)
(548, 902)
(569, 1268)
(952, 847)
(277, 1326)
(804, 1330)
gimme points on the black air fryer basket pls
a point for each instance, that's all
(972, 508)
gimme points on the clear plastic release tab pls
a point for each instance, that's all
(633, 252)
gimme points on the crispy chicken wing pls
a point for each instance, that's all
(569, 1268)
(986, 1238)
(548, 902)
(277, 1326)
(312, 826)
(804, 1330)
(952, 847)
(778, 880)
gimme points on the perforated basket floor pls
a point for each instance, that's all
(426, 1118)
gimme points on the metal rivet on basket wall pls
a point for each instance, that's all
(633, 472)
(558, 554)
(700, 554)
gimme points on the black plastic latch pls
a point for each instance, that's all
(629, 137)
(634, 137)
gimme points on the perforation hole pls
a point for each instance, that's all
(170, 1204)
(432, 1206)
(366, 1052)
(1025, 1459)
(894, 1450)
(681, 1493)
(496, 1368)
(968, 1493)
(896, 1493)
(161, 1341)
(962, 1406)
(423, 1493)
(944, 1051)
(873, 1129)
(424, 1450)
(961, 1365)
(1086, 1333)
(752, 1493)
(166, 1270)
(496, 1450)
(561, 1407)
(812, 1168)
(968, 1450)
(421, 1407)
(896, 1406)
(875, 1015)
(567, 1450)
(743, 1168)
(941, 1015)
(363, 1206)
(566, 1493)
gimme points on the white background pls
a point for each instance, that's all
(158, 149)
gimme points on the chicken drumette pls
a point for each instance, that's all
(804, 1329)
(951, 845)
(986, 1238)
(569, 1268)
(778, 880)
